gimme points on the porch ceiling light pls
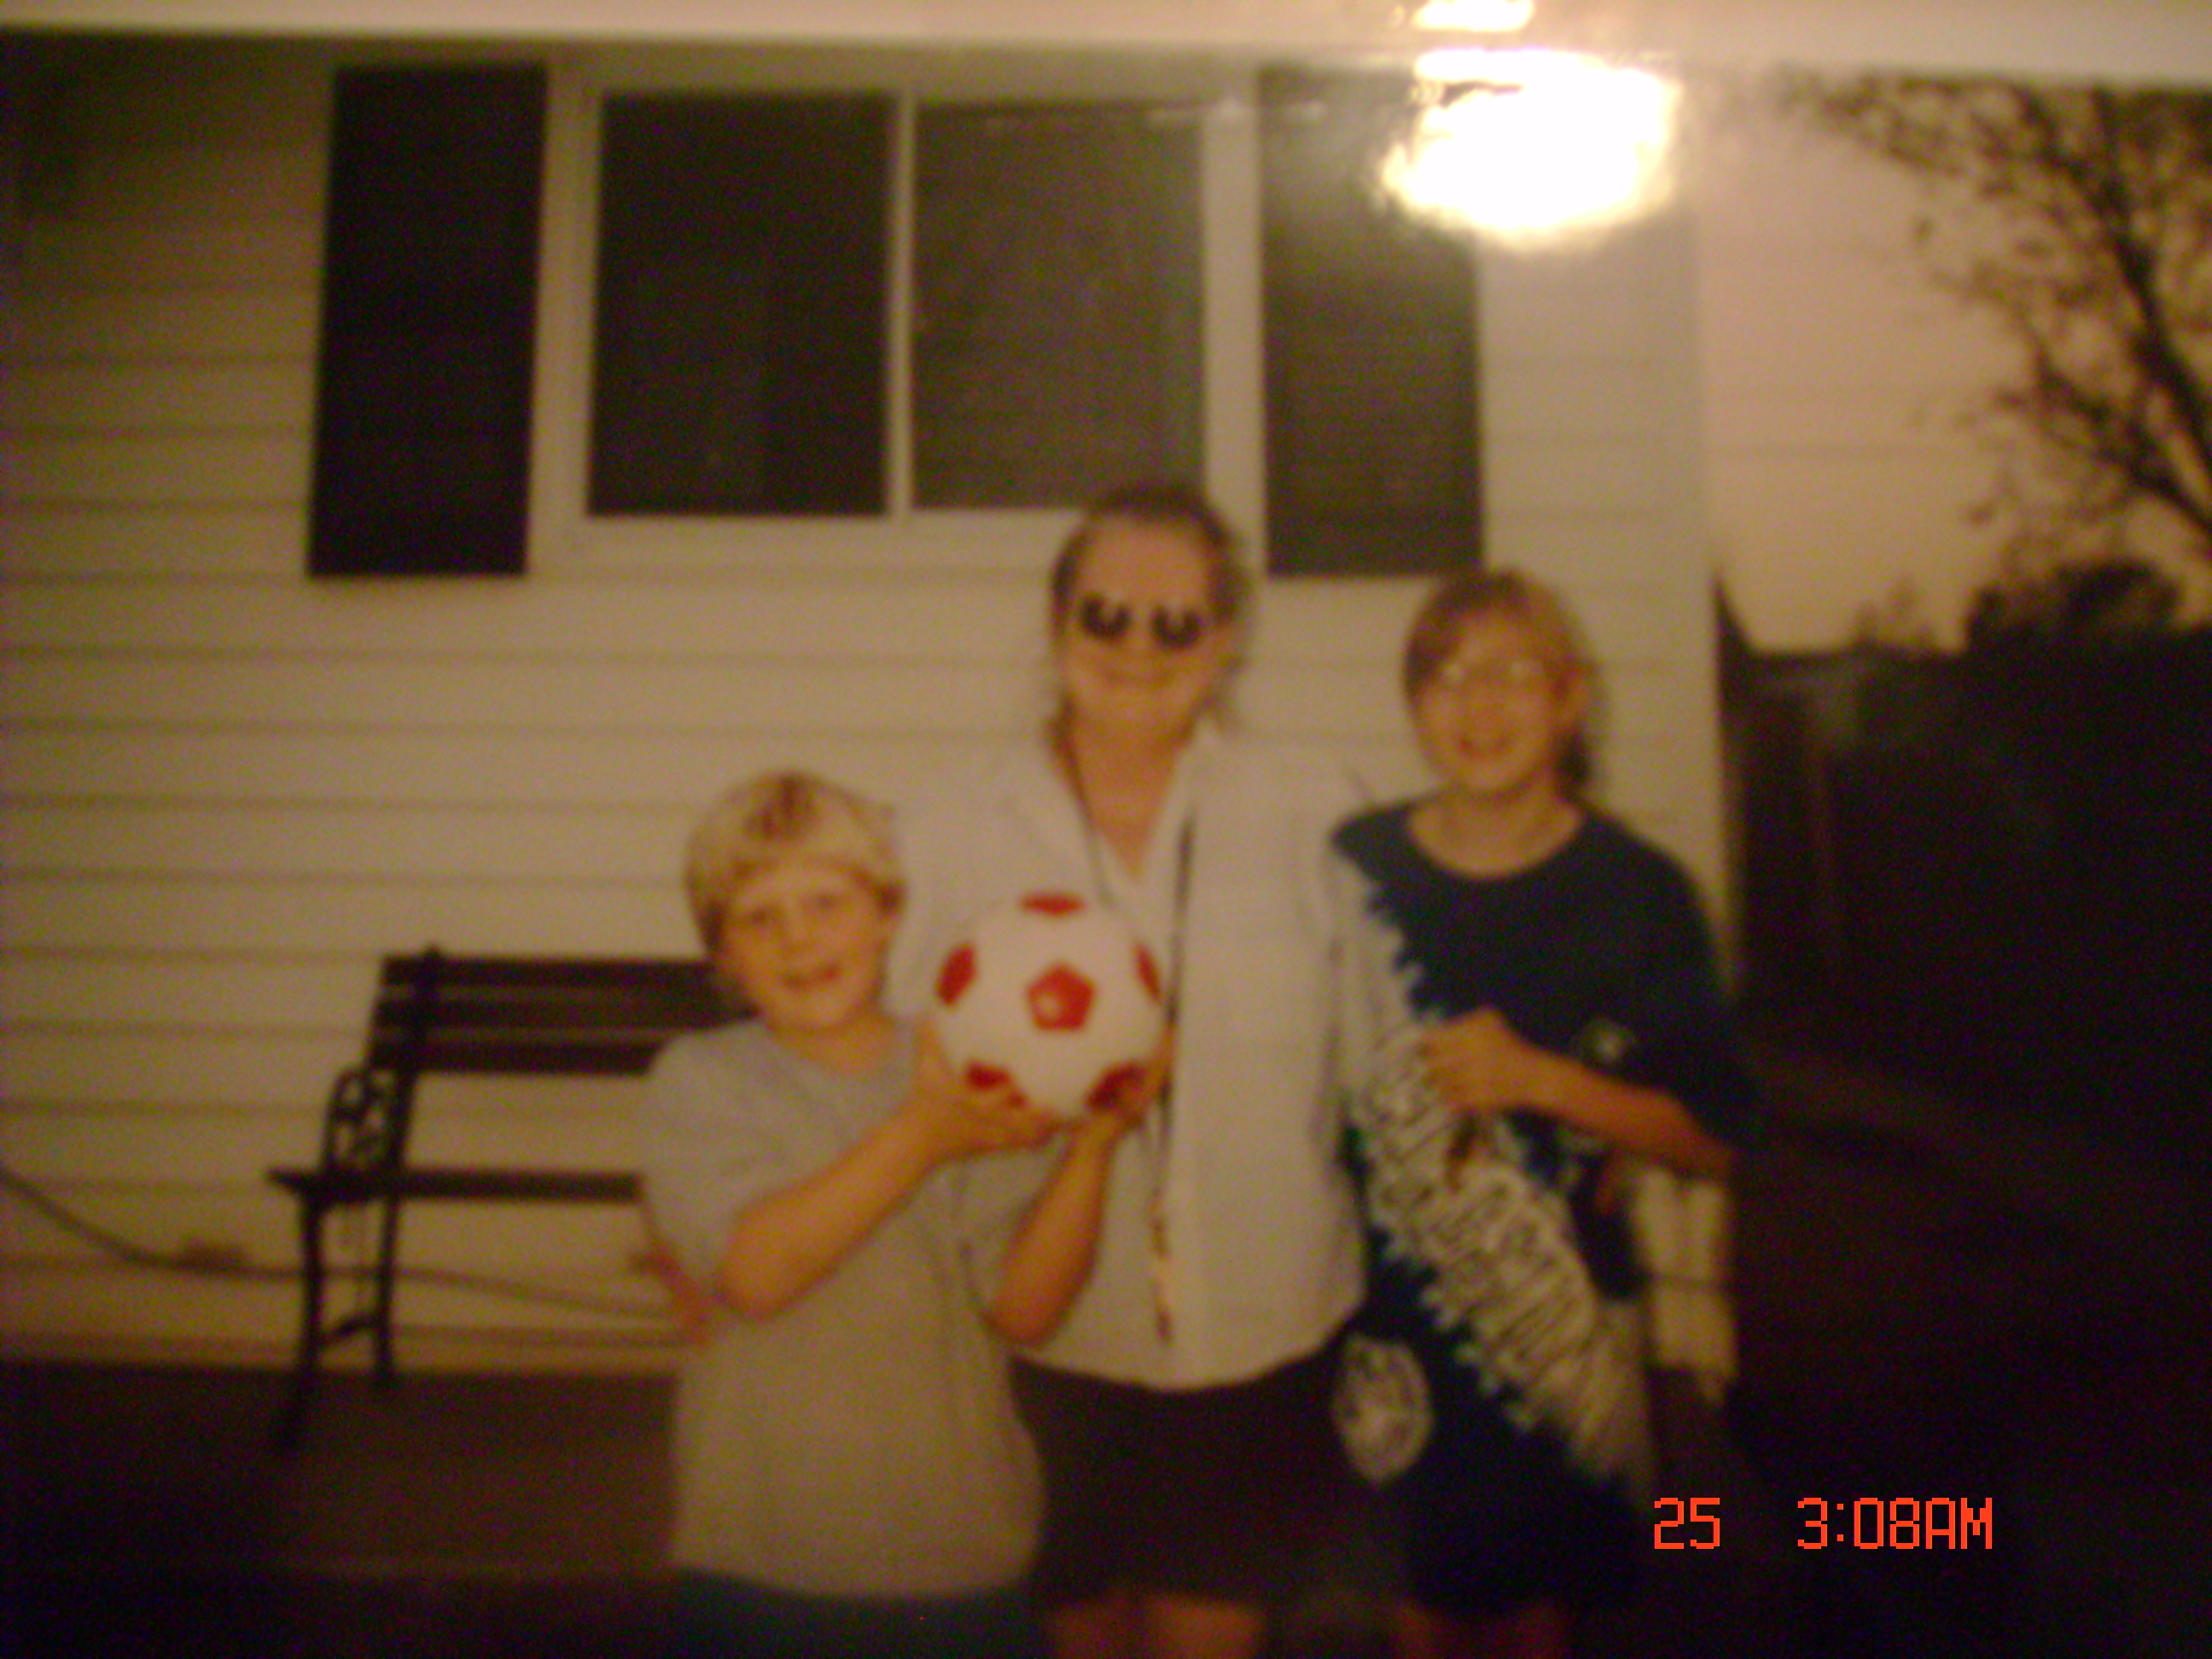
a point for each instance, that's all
(1531, 147)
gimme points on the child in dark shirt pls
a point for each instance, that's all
(1538, 998)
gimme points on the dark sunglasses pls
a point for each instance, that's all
(1109, 622)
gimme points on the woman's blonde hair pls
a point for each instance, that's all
(783, 815)
(1459, 600)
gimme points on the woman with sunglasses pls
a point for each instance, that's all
(1180, 1407)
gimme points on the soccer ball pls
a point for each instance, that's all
(1055, 994)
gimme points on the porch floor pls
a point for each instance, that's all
(1931, 1301)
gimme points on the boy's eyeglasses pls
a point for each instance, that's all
(1173, 628)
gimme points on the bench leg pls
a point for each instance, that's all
(387, 1276)
(306, 1361)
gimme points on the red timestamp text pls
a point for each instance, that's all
(1686, 1523)
(1897, 1524)
(1861, 1523)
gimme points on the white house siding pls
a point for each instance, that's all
(228, 790)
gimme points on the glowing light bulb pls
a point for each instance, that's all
(1534, 147)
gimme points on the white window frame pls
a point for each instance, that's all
(565, 535)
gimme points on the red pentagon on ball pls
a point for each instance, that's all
(1109, 1090)
(957, 976)
(1052, 904)
(1059, 999)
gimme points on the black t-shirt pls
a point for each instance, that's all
(1600, 953)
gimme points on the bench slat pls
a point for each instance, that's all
(435, 1182)
(625, 1053)
(549, 1016)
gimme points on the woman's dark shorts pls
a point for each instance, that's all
(1219, 1492)
(722, 1618)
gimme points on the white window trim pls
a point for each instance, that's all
(565, 537)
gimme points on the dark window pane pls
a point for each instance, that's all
(1369, 331)
(738, 362)
(1057, 342)
(429, 310)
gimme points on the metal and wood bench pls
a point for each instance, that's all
(483, 1015)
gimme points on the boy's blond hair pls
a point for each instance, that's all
(783, 815)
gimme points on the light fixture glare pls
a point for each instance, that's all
(1476, 17)
(1531, 147)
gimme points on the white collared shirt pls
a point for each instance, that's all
(1262, 1239)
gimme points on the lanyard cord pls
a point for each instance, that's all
(1095, 854)
(1158, 1120)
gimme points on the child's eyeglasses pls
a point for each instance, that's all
(1173, 628)
(1507, 675)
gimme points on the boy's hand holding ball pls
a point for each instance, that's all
(962, 1119)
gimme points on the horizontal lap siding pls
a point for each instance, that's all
(347, 915)
(226, 791)
(1594, 466)
(570, 1246)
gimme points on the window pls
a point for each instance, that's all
(429, 305)
(741, 363)
(1056, 340)
(740, 357)
(1369, 340)
(796, 301)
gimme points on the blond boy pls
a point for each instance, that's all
(851, 1476)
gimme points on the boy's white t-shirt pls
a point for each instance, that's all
(863, 1441)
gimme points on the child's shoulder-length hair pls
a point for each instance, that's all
(1462, 597)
